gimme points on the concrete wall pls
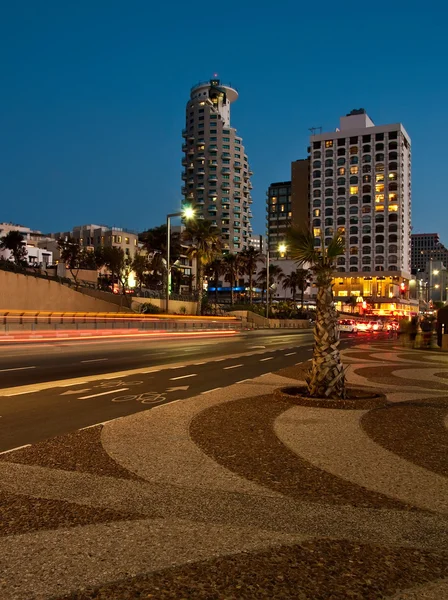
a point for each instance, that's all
(175, 305)
(250, 319)
(25, 292)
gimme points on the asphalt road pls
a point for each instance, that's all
(166, 372)
(28, 363)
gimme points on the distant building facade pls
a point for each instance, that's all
(424, 248)
(94, 236)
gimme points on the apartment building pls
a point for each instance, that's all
(424, 248)
(360, 186)
(93, 236)
(216, 170)
(36, 254)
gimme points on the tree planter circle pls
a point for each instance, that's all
(357, 398)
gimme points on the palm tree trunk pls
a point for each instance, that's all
(302, 294)
(327, 377)
(216, 288)
(251, 281)
(200, 288)
(231, 290)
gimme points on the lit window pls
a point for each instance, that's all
(353, 190)
(393, 198)
(379, 198)
(329, 144)
(354, 170)
(316, 232)
(379, 187)
(392, 176)
(379, 208)
(379, 177)
(393, 207)
(341, 171)
(126, 239)
(316, 212)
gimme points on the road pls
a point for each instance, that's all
(130, 377)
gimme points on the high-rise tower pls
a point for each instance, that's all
(216, 170)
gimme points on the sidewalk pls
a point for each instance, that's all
(236, 495)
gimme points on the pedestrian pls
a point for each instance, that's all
(426, 327)
(413, 330)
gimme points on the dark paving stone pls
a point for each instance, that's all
(384, 374)
(79, 451)
(239, 435)
(315, 570)
(414, 430)
(23, 514)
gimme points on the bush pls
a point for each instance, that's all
(183, 310)
(149, 309)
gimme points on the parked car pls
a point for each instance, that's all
(348, 325)
(363, 326)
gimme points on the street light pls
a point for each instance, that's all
(186, 213)
(282, 248)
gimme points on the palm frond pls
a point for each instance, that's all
(301, 246)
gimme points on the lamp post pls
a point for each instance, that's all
(186, 213)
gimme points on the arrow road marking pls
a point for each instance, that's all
(70, 392)
(175, 389)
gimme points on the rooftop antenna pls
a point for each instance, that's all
(315, 130)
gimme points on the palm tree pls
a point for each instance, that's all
(232, 265)
(290, 282)
(15, 243)
(249, 262)
(205, 241)
(304, 278)
(327, 377)
(214, 271)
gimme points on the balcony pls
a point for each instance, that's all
(183, 190)
(225, 155)
(225, 185)
(184, 176)
(200, 186)
(184, 133)
(200, 156)
(184, 162)
(184, 147)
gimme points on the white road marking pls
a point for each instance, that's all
(20, 393)
(213, 390)
(233, 366)
(71, 384)
(290, 353)
(243, 381)
(201, 363)
(253, 347)
(180, 387)
(151, 371)
(14, 449)
(183, 376)
(16, 369)
(72, 392)
(269, 358)
(103, 393)
(177, 367)
(94, 360)
(218, 359)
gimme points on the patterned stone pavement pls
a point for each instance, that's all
(237, 494)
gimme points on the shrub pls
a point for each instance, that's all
(149, 309)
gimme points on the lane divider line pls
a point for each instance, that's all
(213, 390)
(183, 376)
(233, 367)
(290, 353)
(103, 393)
(268, 358)
(94, 360)
(16, 369)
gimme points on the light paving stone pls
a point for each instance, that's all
(157, 447)
(49, 563)
(334, 441)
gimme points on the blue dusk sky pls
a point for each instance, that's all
(93, 97)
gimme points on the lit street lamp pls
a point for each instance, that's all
(282, 250)
(186, 213)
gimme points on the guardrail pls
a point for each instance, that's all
(26, 321)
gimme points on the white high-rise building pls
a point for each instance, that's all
(360, 185)
(216, 170)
